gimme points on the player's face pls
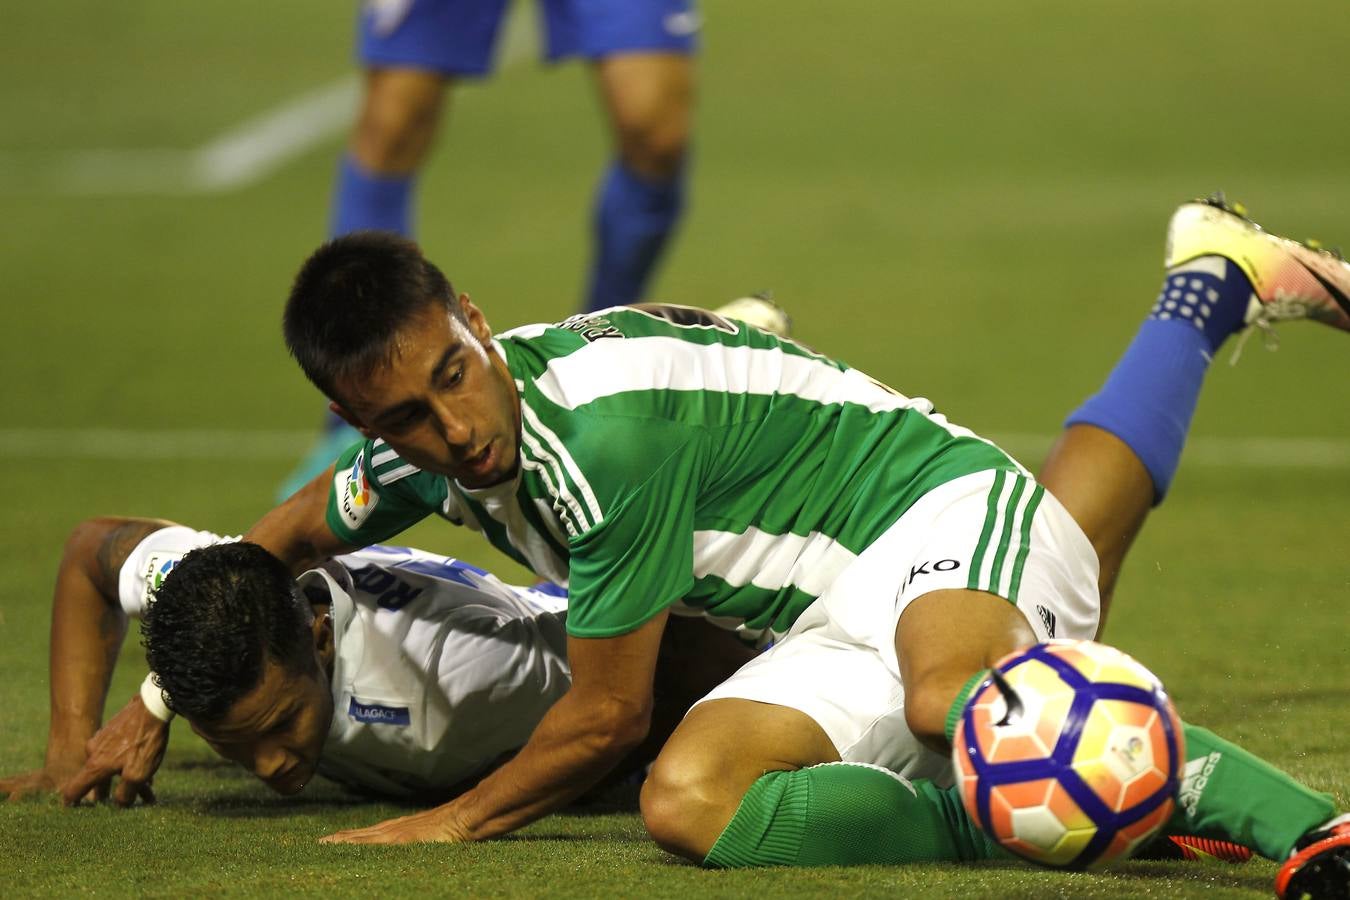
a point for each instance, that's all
(277, 730)
(444, 401)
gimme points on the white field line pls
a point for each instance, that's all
(246, 153)
(241, 156)
(225, 444)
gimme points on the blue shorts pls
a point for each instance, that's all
(457, 37)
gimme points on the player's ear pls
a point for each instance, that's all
(477, 322)
(347, 416)
(323, 640)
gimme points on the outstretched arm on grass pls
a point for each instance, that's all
(88, 626)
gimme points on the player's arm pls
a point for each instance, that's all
(606, 713)
(88, 626)
(297, 531)
(348, 507)
(696, 656)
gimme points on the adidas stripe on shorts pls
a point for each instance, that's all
(993, 531)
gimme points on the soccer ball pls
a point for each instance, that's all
(1069, 754)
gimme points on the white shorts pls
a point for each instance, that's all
(997, 532)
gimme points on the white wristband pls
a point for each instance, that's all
(153, 698)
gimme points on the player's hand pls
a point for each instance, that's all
(27, 784)
(62, 762)
(131, 745)
(434, 825)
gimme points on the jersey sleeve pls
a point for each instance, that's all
(151, 561)
(640, 558)
(376, 495)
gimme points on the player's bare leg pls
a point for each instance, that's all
(400, 114)
(720, 749)
(649, 100)
(1121, 448)
(1106, 489)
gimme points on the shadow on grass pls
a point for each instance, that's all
(255, 805)
(205, 764)
(1129, 879)
(608, 802)
(1248, 876)
(1252, 876)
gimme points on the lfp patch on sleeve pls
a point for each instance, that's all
(158, 565)
(355, 498)
(375, 714)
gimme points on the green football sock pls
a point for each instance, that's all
(1228, 793)
(847, 814)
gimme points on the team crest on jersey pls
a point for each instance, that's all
(157, 567)
(590, 327)
(355, 498)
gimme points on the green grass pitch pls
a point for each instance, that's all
(965, 200)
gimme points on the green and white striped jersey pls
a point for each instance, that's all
(705, 466)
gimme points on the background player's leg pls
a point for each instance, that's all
(742, 783)
(407, 52)
(393, 133)
(374, 190)
(649, 99)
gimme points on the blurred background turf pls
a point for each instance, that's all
(965, 200)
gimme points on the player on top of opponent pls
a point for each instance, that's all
(714, 469)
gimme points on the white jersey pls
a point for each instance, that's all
(440, 668)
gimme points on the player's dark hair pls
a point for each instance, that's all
(220, 613)
(351, 297)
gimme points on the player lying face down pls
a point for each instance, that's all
(372, 671)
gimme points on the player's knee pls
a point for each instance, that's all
(939, 652)
(680, 805)
(653, 148)
(926, 708)
(397, 125)
(393, 142)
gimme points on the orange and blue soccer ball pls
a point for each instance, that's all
(1069, 754)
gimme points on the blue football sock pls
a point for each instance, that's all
(1210, 294)
(368, 200)
(1151, 394)
(633, 219)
